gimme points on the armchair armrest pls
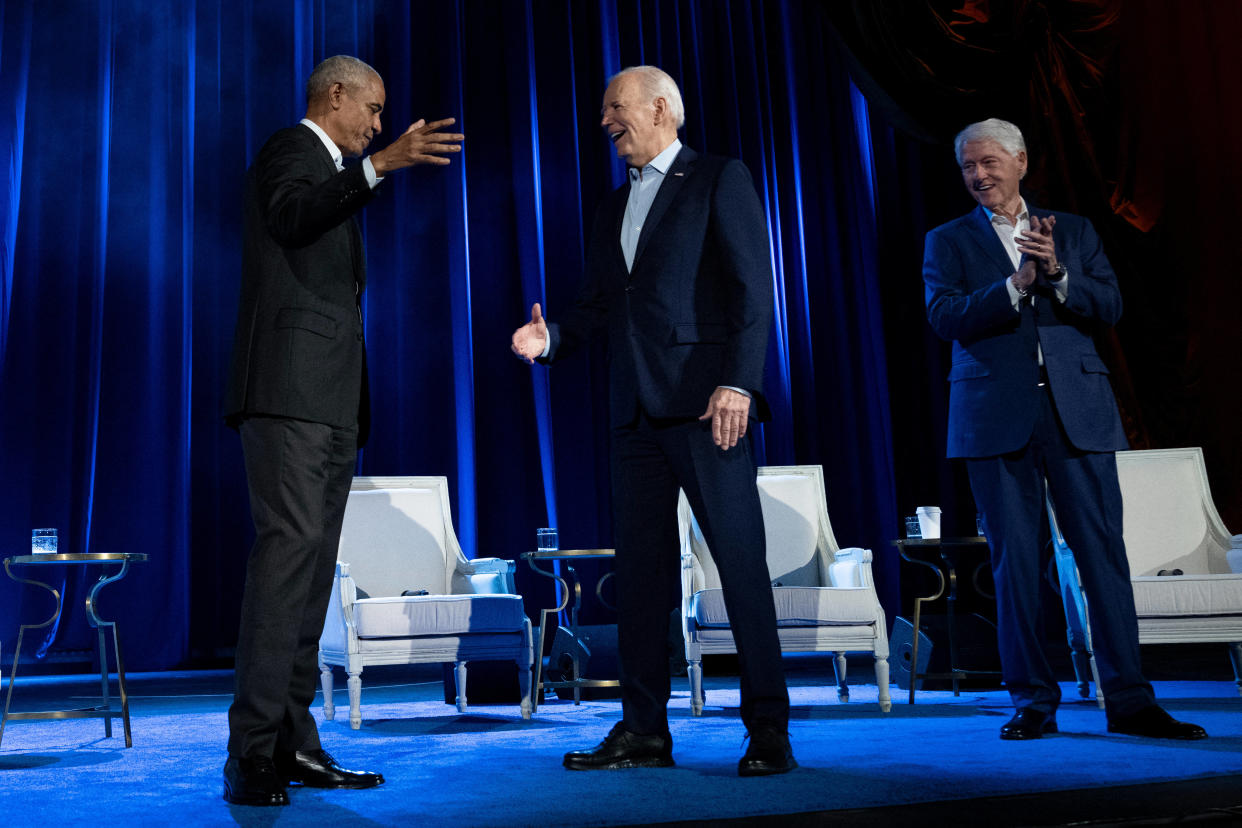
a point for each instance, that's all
(851, 567)
(338, 628)
(492, 576)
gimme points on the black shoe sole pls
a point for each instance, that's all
(648, 762)
(1190, 737)
(766, 770)
(1025, 735)
(260, 801)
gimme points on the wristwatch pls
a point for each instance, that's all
(1058, 274)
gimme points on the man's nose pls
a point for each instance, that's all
(378, 127)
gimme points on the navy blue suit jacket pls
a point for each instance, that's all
(993, 397)
(695, 310)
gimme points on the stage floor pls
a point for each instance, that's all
(938, 762)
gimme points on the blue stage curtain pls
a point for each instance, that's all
(124, 137)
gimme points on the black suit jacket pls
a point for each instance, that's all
(694, 311)
(298, 351)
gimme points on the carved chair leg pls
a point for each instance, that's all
(461, 686)
(354, 683)
(843, 689)
(325, 681)
(694, 670)
(524, 684)
(881, 679)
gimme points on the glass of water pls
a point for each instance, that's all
(546, 540)
(43, 542)
(913, 530)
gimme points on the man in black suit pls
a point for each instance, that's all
(298, 395)
(1020, 292)
(678, 273)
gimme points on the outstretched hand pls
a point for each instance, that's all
(729, 412)
(421, 143)
(530, 339)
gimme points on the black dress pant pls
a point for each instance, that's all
(651, 460)
(299, 475)
(1009, 491)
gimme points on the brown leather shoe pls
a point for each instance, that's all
(253, 781)
(768, 753)
(622, 749)
(317, 769)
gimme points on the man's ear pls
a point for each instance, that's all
(336, 95)
(661, 110)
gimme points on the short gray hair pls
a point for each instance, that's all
(993, 129)
(656, 83)
(350, 71)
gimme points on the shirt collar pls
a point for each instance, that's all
(661, 162)
(1023, 215)
(331, 146)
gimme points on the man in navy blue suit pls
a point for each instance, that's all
(1020, 291)
(678, 273)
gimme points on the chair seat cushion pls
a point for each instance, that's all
(403, 616)
(1187, 595)
(796, 607)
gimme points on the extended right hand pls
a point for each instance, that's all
(530, 339)
(421, 143)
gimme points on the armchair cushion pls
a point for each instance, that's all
(795, 607)
(423, 615)
(1187, 595)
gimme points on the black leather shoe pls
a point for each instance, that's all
(768, 753)
(253, 782)
(622, 749)
(1028, 724)
(1155, 723)
(317, 769)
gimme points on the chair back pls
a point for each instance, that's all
(1170, 521)
(799, 537)
(398, 535)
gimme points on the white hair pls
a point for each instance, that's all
(993, 129)
(656, 83)
(354, 74)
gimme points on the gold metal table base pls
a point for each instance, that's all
(103, 711)
(568, 556)
(946, 572)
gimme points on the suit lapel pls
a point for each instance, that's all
(681, 169)
(982, 232)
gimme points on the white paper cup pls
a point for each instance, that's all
(929, 520)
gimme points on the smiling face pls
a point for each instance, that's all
(991, 175)
(355, 115)
(640, 129)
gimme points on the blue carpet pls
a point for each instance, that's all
(490, 768)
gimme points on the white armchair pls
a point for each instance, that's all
(1170, 526)
(825, 596)
(398, 538)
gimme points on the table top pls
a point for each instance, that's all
(969, 541)
(78, 557)
(556, 554)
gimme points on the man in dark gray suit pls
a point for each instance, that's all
(678, 272)
(1020, 292)
(298, 395)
